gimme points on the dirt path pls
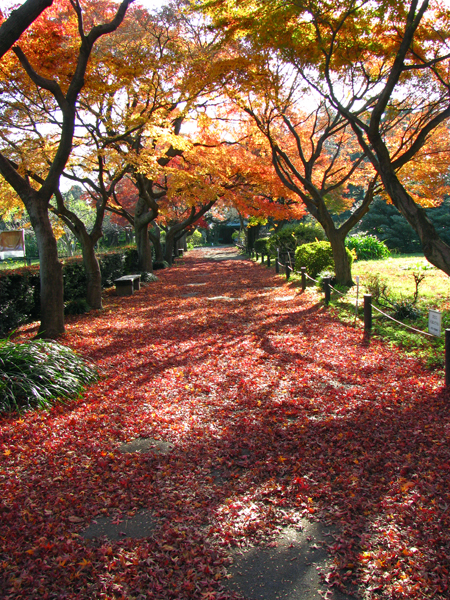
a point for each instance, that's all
(242, 443)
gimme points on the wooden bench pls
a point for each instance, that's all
(127, 284)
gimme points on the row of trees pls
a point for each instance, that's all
(275, 108)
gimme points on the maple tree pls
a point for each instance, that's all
(314, 152)
(377, 63)
(61, 85)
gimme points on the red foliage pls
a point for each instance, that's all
(276, 412)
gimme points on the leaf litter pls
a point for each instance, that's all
(274, 411)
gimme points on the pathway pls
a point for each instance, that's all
(241, 444)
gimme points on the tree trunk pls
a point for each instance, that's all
(169, 247)
(143, 246)
(434, 249)
(252, 235)
(342, 266)
(155, 236)
(93, 273)
(51, 275)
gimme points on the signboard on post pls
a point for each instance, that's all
(434, 322)
(12, 244)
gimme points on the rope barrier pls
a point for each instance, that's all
(404, 324)
(342, 294)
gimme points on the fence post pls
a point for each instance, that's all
(326, 286)
(288, 274)
(277, 266)
(367, 312)
(303, 270)
(268, 260)
(262, 256)
(256, 255)
(447, 357)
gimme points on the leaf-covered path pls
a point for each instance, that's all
(257, 409)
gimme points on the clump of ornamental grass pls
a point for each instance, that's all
(38, 373)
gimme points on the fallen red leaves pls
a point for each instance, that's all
(275, 411)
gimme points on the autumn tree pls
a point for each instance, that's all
(382, 65)
(30, 68)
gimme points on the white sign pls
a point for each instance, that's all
(434, 322)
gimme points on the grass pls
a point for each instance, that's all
(434, 293)
(35, 374)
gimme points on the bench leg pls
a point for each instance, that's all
(124, 290)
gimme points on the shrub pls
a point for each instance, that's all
(261, 245)
(131, 261)
(19, 300)
(195, 239)
(36, 373)
(147, 277)
(405, 309)
(291, 236)
(75, 280)
(112, 267)
(77, 306)
(367, 247)
(160, 264)
(316, 257)
(377, 287)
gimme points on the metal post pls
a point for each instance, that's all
(277, 266)
(367, 312)
(447, 357)
(303, 270)
(288, 273)
(256, 254)
(268, 260)
(326, 287)
(262, 257)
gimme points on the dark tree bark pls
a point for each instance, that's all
(19, 21)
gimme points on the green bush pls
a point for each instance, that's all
(36, 373)
(261, 245)
(75, 280)
(77, 306)
(131, 261)
(19, 300)
(195, 239)
(293, 235)
(112, 267)
(316, 257)
(367, 246)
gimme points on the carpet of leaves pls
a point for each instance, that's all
(275, 410)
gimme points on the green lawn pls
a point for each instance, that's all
(397, 273)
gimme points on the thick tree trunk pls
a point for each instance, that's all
(93, 273)
(51, 275)
(144, 248)
(155, 237)
(342, 266)
(434, 248)
(168, 256)
(143, 245)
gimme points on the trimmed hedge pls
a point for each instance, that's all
(316, 257)
(20, 289)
